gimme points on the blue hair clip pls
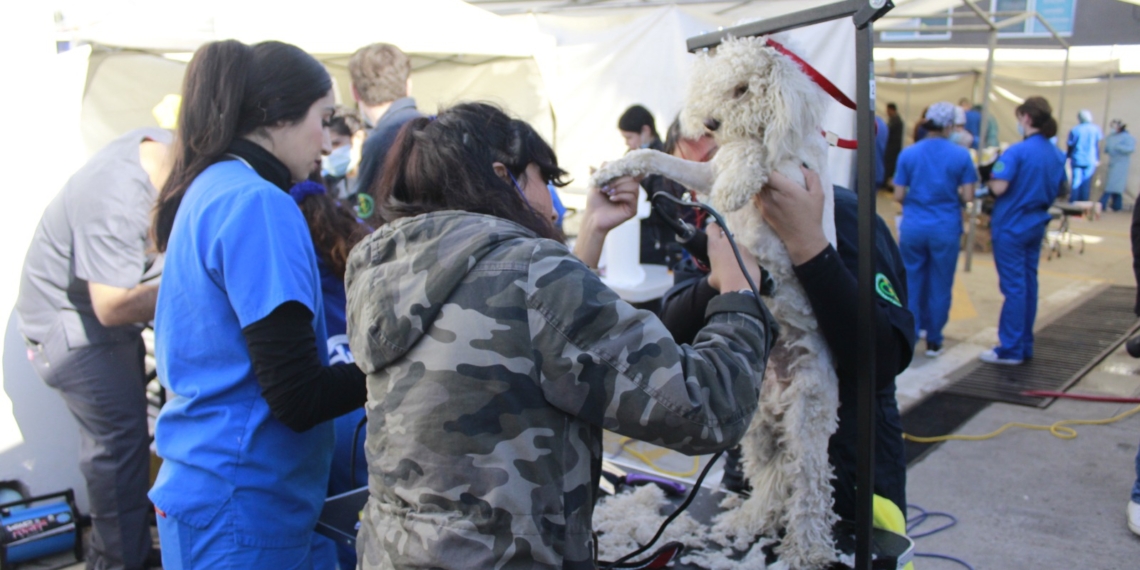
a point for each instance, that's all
(431, 118)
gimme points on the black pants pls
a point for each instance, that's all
(104, 386)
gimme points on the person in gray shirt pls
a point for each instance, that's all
(88, 284)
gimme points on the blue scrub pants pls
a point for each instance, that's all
(1016, 255)
(930, 258)
(1117, 202)
(185, 547)
(1082, 183)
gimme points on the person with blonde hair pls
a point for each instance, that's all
(381, 81)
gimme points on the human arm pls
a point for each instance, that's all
(966, 191)
(300, 391)
(115, 306)
(794, 212)
(998, 186)
(899, 193)
(619, 368)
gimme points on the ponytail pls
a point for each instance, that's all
(1040, 115)
(232, 90)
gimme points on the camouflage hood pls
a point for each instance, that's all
(414, 264)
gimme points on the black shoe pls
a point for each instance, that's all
(933, 349)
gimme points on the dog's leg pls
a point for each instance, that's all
(741, 173)
(697, 176)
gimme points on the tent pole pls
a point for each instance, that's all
(1107, 100)
(972, 220)
(1064, 88)
(909, 80)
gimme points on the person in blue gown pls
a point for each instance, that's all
(1084, 155)
(1119, 147)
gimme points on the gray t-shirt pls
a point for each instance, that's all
(95, 230)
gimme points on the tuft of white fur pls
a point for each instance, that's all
(769, 114)
(626, 521)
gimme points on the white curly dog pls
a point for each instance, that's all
(765, 114)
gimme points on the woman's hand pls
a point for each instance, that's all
(606, 209)
(795, 214)
(725, 274)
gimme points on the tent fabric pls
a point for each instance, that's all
(423, 26)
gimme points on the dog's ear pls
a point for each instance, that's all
(794, 105)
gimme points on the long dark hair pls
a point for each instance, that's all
(444, 163)
(232, 90)
(334, 229)
(1040, 115)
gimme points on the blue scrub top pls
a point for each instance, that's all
(932, 170)
(1083, 145)
(1035, 170)
(238, 249)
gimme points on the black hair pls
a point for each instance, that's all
(672, 136)
(1040, 115)
(445, 163)
(232, 90)
(636, 117)
(892, 106)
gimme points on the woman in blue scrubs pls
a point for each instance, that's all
(240, 335)
(933, 178)
(1025, 182)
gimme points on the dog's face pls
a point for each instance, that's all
(747, 90)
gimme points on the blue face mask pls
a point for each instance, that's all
(335, 165)
(1021, 130)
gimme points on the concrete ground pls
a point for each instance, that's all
(1026, 499)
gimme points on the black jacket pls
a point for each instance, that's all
(829, 281)
(380, 141)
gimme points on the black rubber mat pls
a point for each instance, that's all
(1063, 352)
(939, 414)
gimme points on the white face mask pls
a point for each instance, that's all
(335, 164)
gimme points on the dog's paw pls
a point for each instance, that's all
(634, 163)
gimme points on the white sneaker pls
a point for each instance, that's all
(934, 350)
(991, 357)
(1134, 517)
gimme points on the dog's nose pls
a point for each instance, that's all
(712, 124)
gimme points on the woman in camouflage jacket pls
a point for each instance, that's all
(495, 358)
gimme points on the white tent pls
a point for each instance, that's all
(457, 50)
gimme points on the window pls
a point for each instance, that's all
(1059, 14)
(947, 20)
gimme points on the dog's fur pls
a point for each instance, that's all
(769, 114)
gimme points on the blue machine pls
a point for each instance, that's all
(39, 526)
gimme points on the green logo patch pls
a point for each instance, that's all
(999, 167)
(885, 290)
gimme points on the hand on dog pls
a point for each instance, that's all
(725, 274)
(795, 213)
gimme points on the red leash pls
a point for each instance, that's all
(827, 86)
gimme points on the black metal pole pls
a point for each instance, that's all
(865, 366)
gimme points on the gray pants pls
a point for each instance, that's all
(104, 386)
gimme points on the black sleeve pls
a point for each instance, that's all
(300, 391)
(683, 307)
(832, 290)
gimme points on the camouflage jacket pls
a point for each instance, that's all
(494, 360)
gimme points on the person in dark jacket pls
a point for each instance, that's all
(827, 275)
(895, 129)
(380, 83)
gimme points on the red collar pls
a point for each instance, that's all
(826, 85)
